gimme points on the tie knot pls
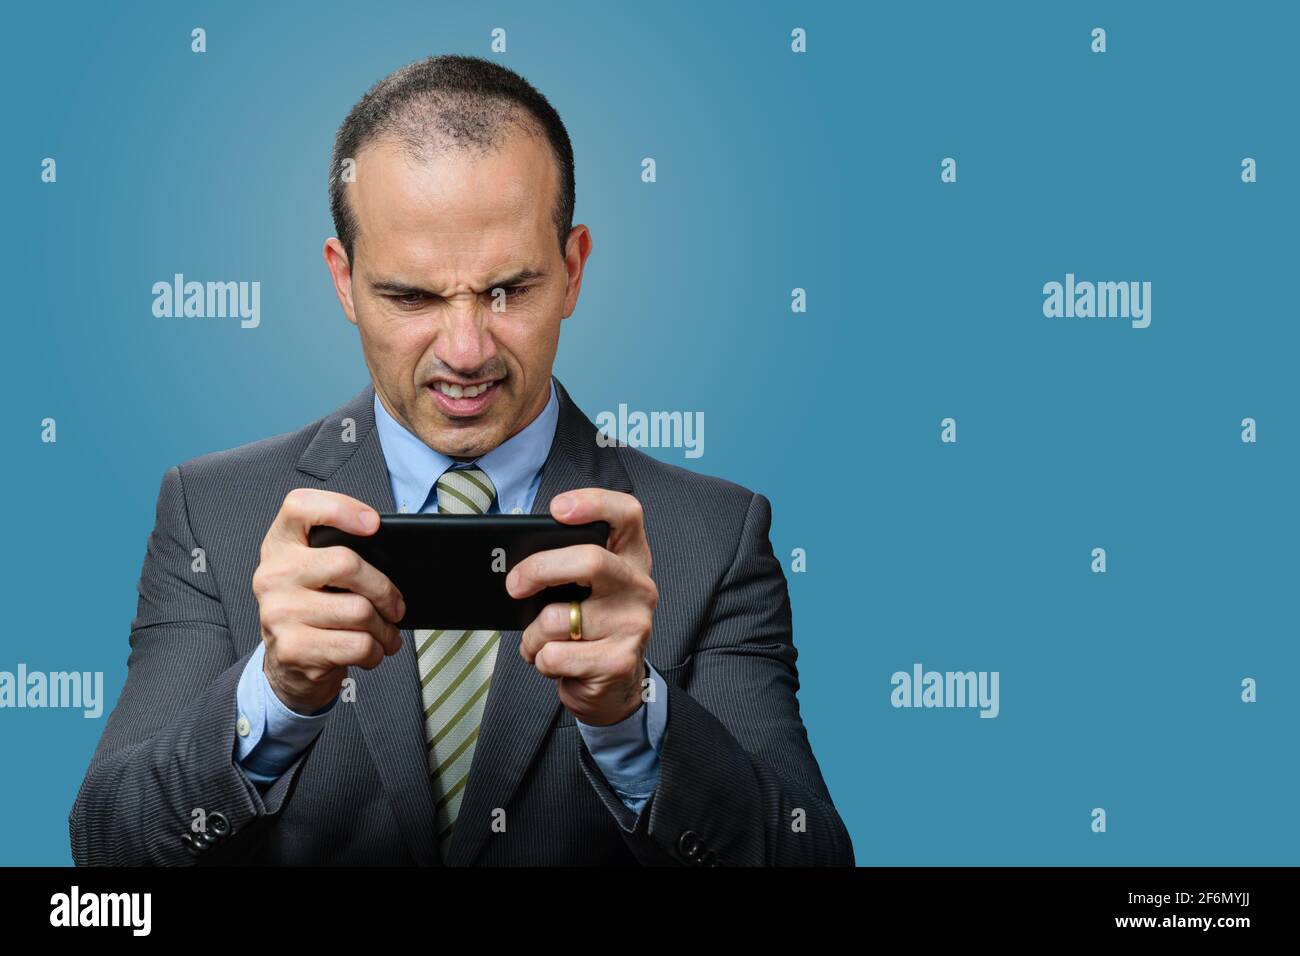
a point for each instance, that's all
(465, 491)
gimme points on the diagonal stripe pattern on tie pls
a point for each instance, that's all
(455, 673)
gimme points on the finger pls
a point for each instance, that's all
(304, 508)
(341, 567)
(315, 649)
(606, 661)
(349, 612)
(552, 624)
(352, 649)
(587, 564)
(622, 511)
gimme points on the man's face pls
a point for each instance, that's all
(434, 240)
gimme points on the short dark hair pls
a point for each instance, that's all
(447, 103)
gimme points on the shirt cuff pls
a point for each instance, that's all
(627, 752)
(269, 736)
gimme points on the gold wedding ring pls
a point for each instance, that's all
(575, 620)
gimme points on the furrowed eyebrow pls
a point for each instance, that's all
(523, 275)
(393, 287)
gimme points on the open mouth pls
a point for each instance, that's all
(464, 400)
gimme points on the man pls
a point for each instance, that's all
(268, 720)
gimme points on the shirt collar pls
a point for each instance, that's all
(414, 467)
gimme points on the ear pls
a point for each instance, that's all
(576, 250)
(336, 260)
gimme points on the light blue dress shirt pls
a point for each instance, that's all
(271, 736)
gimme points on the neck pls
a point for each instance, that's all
(537, 409)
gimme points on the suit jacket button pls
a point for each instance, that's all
(689, 845)
(218, 825)
(197, 843)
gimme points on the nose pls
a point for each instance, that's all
(464, 342)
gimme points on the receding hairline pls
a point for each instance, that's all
(420, 141)
(437, 121)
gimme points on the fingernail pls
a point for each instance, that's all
(563, 506)
(369, 520)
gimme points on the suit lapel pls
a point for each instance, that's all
(522, 705)
(388, 704)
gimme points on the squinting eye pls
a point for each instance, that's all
(408, 301)
(516, 291)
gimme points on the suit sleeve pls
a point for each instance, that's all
(163, 786)
(271, 736)
(738, 782)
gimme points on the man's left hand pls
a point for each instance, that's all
(599, 678)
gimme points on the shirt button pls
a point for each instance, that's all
(403, 509)
(243, 726)
(516, 510)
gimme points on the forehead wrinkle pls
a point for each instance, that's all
(421, 276)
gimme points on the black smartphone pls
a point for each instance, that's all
(451, 569)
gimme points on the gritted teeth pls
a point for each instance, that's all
(463, 391)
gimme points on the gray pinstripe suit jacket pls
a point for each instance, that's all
(735, 765)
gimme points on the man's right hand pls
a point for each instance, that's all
(312, 636)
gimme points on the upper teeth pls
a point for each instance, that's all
(467, 391)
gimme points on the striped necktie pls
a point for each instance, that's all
(455, 673)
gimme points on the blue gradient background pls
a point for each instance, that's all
(774, 171)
